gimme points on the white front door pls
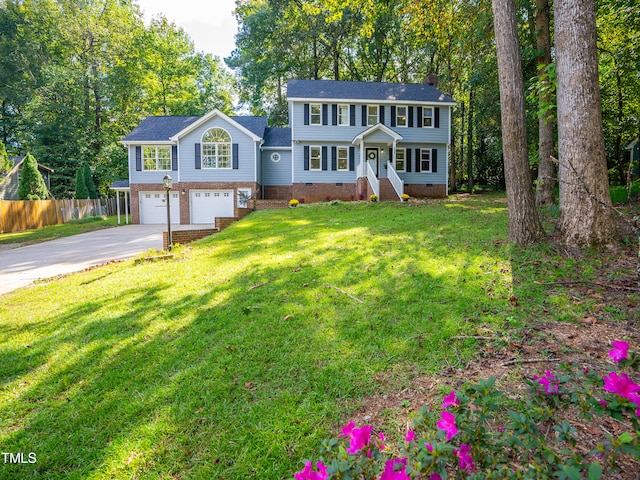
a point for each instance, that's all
(207, 205)
(153, 207)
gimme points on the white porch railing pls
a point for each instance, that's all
(373, 180)
(396, 181)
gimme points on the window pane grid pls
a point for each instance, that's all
(427, 117)
(343, 115)
(314, 159)
(343, 158)
(400, 160)
(316, 114)
(216, 149)
(401, 116)
(425, 160)
(372, 115)
(156, 158)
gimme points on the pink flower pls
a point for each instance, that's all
(394, 469)
(411, 435)
(435, 476)
(359, 436)
(621, 385)
(466, 462)
(307, 472)
(447, 423)
(429, 447)
(620, 351)
(550, 383)
(382, 439)
(450, 400)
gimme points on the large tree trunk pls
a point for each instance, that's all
(546, 169)
(524, 224)
(585, 203)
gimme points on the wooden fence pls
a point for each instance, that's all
(19, 215)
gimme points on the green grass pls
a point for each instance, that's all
(238, 356)
(52, 232)
(620, 193)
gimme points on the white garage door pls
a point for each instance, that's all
(153, 207)
(206, 205)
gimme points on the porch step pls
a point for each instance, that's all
(387, 192)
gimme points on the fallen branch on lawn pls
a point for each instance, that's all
(530, 360)
(253, 287)
(346, 293)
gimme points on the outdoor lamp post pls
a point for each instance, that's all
(167, 182)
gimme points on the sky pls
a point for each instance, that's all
(210, 23)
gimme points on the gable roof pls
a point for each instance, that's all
(158, 129)
(277, 137)
(251, 121)
(17, 161)
(383, 92)
(378, 127)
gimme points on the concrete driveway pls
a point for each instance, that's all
(21, 266)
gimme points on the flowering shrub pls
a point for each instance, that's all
(405, 197)
(477, 436)
(373, 198)
(293, 202)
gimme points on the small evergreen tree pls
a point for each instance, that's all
(5, 165)
(82, 191)
(32, 186)
(88, 180)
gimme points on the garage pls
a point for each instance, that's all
(206, 205)
(153, 207)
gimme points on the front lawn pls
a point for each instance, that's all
(236, 357)
(51, 232)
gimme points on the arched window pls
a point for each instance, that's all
(216, 149)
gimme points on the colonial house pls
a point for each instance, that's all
(10, 182)
(346, 140)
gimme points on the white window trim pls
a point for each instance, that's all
(430, 150)
(311, 122)
(377, 119)
(216, 155)
(346, 150)
(156, 158)
(406, 116)
(424, 109)
(395, 160)
(346, 120)
(311, 149)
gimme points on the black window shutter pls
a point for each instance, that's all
(393, 116)
(436, 117)
(325, 154)
(306, 114)
(419, 122)
(139, 159)
(352, 115)
(325, 114)
(334, 158)
(334, 114)
(234, 149)
(410, 116)
(198, 157)
(391, 159)
(174, 157)
(382, 114)
(306, 157)
(434, 160)
(418, 160)
(352, 159)
(407, 161)
(364, 115)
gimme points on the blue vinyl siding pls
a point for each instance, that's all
(338, 133)
(276, 173)
(246, 156)
(414, 177)
(322, 176)
(147, 176)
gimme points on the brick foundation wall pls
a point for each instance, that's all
(186, 236)
(429, 191)
(322, 192)
(224, 222)
(270, 204)
(278, 192)
(184, 188)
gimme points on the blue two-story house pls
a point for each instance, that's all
(346, 140)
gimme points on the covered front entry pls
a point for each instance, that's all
(207, 205)
(153, 207)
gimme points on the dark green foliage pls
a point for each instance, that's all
(88, 181)
(82, 191)
(5, 165)
(32, 186)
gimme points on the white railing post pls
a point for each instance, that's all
(396, 181)
(373, 180)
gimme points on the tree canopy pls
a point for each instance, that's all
(78, 75)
